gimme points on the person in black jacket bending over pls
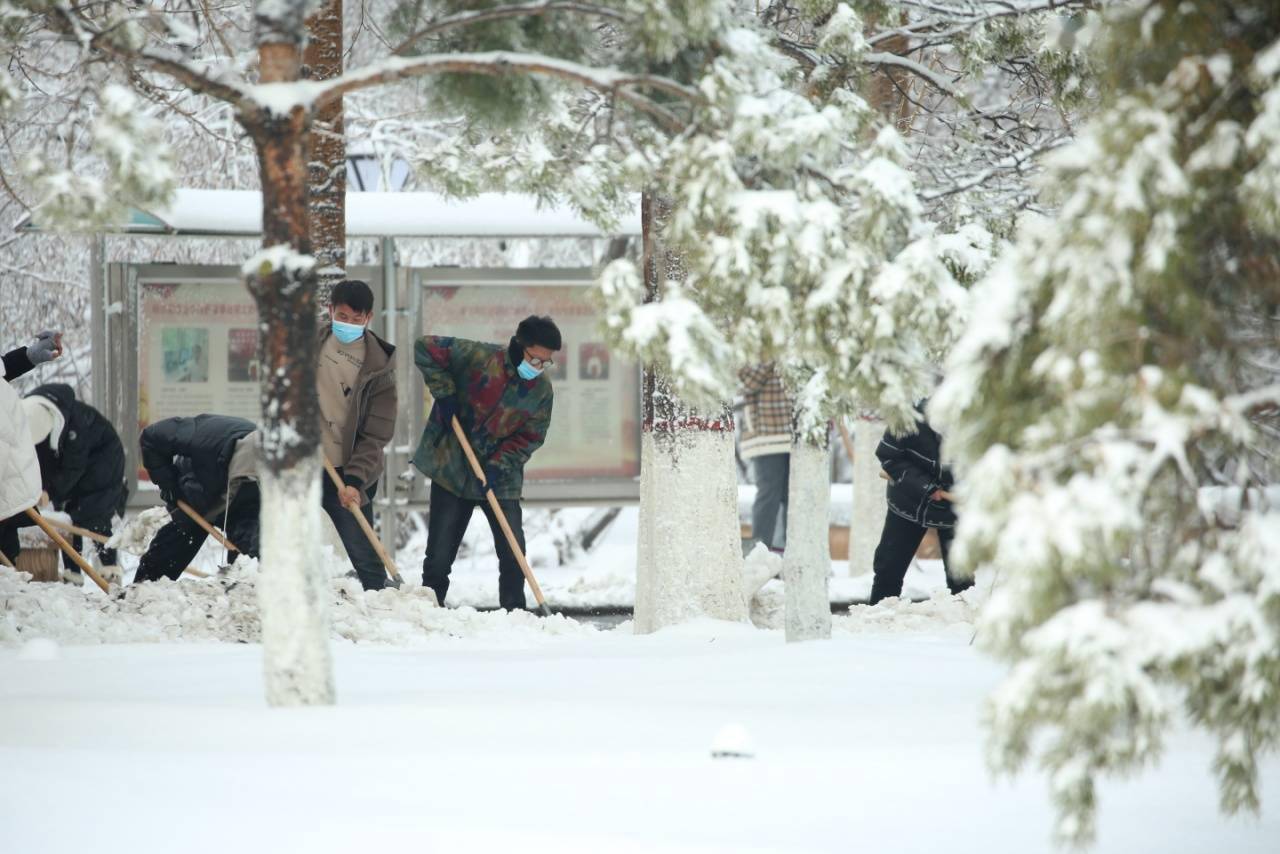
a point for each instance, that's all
(81, 468)
(920, 498)
(82, 461)
(209, 461)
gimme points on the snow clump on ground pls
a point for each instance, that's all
(225, 608)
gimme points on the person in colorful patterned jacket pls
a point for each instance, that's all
(503, 402)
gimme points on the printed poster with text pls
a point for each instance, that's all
(595, 421)
(198, 350)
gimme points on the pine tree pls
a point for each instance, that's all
(1113, 411)
(802, 241)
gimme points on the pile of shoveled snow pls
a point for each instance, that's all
(225, 608)
(940, 612)
(136, 535)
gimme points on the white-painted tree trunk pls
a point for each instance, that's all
(869, 504)
(808, 555)
(690, 552)
(293, 590)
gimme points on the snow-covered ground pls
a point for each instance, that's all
(139, 725)
(605, 576)
(552, 742)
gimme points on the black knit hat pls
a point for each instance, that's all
(536, 331)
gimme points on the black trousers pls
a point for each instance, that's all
(898, 543)
(364, 557)
(176, 544)
(446, 526)
(11, 545)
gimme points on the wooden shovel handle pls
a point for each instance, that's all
(387, 562)
(99, 538)
(497, 511)
(52, 533)
(208, 529)
(77, 530)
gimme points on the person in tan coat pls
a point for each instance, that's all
(355, 380)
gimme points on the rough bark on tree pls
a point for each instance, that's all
(327, 163)
(298, 668)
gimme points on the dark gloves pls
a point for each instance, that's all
(194, 495)
(492, 476)
(446, 407)
(48, 346)
(169, 496)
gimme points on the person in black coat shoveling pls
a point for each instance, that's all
(208, 461)
(82, 465)
(919, 495)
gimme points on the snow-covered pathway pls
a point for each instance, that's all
(592, 742)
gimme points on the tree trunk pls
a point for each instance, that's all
(327, 164)
(869, 505)
(689, 552)
(294, 590)
(808, 555)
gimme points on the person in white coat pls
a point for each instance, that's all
(19, 468)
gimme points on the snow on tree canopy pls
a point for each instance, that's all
(797, 244)
(278, 258)
(1113, 414)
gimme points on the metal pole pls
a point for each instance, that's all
(391, 468)
(98, 320)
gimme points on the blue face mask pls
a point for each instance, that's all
(346, 332)
(527, 371)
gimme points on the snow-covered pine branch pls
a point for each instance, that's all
(497, 13)
(1110, 411)
(613, 81)
(795, 248)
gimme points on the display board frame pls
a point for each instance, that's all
(119, 348)
(622, 488)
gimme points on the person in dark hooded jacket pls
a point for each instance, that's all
(209, 462)
(919, 498)
(82, 465)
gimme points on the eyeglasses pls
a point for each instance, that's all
(534, 361)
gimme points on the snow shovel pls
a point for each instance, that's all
(104, 539)
(208, 529)
(543, 608)
(77, 530)
(53, 534)
(387, 562)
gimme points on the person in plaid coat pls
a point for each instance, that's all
(503, 402)
(766, 441)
